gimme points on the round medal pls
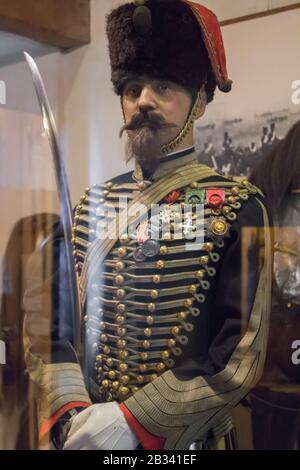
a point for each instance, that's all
(219, 227)
(150, 248)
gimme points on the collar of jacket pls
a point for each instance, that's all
(168, 163)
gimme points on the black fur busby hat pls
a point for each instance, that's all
(163, 39)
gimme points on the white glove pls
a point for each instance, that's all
(100, 427)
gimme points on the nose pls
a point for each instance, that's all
(146, 100)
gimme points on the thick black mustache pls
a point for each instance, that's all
(151, 120)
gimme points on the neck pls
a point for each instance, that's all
(168, 163)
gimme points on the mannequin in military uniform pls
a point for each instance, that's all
(175, 328)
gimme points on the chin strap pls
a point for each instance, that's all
(200, 101)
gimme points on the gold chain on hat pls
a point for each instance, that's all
(201, 100)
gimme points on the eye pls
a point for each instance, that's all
(163, 87)
(132, 90)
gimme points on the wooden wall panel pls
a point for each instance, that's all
(63, 24)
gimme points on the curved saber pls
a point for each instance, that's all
(66, 212)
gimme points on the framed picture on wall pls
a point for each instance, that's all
(264, 65)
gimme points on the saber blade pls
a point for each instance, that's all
(66, 212)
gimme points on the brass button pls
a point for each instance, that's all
(194, 185)
(235, 190)
(144, 356)
(120, 308)
(109, 185)
(150, 320)
(146, 344)
(119, 280)
(121, 331)
(109, 362)
(122, 252)
(103, 338)
(153, 377)
(140, 379)
(120, 293)
(154, 294)
(231, 199)
(151, 307)
(163, 250)
(123, 367)
(112, 375)
(160, 367)
(120, 266)
(226, 210)
(102, 326)
(208, 247)
(193, 289)
(200, 275)
(121, 343)
(106, 349)
(188, 303)
(147, 332)
(143, 367)
(160, 264)
(175, 330)
(156, 279)
(105, 192)
(120, 320)
(165, 355)
(204, 260)
(134, 389)
(99, 358)
(124, 391)
(181, 316)
(123, 354)
(124, 379)
(115, 385)
(106, 383)
(171, 343)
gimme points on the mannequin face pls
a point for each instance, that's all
(158, 97)
(155, 111)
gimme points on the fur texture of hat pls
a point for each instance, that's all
(170, 49)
